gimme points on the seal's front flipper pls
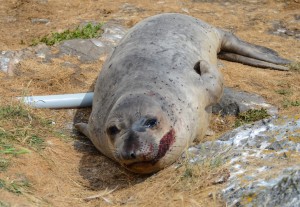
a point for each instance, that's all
(212, 79)
(234, 49)
(83, 128)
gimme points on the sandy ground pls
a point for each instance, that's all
(69, 169)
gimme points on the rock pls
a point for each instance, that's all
(8, 60)
(90, 50)
(129, 8)
(39, 21)
(234, 102)
(42, 1)
(282, 191)
(85, 49)
(4, 61)
(44, 53)
(9, 19)
(275, 146)
(279, 28)
(263, 160)
(113, 33)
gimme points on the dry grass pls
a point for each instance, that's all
(183, 184)
(36, 77)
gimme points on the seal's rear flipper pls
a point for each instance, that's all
(234, 49)
(83, 128)
(250, 61)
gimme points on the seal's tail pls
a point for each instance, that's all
(236, 50)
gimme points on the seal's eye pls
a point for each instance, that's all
(113, 130)
(150, 123)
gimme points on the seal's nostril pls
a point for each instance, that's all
(132, 155)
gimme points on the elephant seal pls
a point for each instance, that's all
(154, 94)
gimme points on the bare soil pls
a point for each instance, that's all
(69, 171)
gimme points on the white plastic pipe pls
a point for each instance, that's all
(59, 101)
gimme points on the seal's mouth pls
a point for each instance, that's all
(142, 167)
(164, 145)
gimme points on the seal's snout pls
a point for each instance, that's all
(131, 146)
(136, 148)
(145, 158)
(129, 155)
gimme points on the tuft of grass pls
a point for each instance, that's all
(85, 32)
(188, 172)
(20, 132)
(35, 142)
(287, 103)
(295, 66)
(11, 150)
(62, 136)
(10, 112)
(284, 92)
(16, 186)
(250, 116)
(4, 204)
(21, 136)
(4, 163)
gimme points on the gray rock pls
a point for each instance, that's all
(39, 21)
(263, 160)
(4, 61)
(113, 33)
(8, 60)
(90, 50)
(281, 191)
(234, 102)
(42, 1)
(279, 28)
(130, 8)
(275, 146)
(85, 49)
(9, 19)
(41, 51)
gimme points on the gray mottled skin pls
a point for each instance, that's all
(165, 67)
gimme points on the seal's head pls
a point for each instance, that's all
(141, 133)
